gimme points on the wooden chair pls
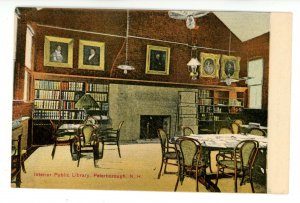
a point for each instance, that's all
(167, 152)
(241, 163)
(238, 121)
(15, 133)
(87, 142)
(187, 131)
(235, 128)
(111, 136)
(224, 130)
(61, 137)
(257, 131)
(188, 153)
(16, 161)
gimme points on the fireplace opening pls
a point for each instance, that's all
(150, 123)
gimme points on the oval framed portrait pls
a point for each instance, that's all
(230, 67)
(209, 65)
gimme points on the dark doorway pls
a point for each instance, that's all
(150, 123)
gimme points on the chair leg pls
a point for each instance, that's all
(119, 149)
(251, 181)
(22, 164)
(78, 157)
(166, 163)
(243, 177)
(235, 181)
(53, 150)
(94, 156)
(176, 185)
(197, 186)
(218, 170)
(209, 161)
(162, 162)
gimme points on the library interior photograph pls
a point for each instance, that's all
(142, 100)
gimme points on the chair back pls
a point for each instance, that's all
(120, 125)
(87, 133)
(247, 151)
(235, 128)
(187, 131)
(188, 151)
(90, 120)
(239, 121)
(54, 127)
(225, 130)
(163, 138)
(257, 131)
(16, 146)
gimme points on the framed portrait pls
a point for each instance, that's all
(157, 60)
(58, 52)
(91, 55)
(210, 65)
(230, 67)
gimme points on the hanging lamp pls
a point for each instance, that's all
(126, 67)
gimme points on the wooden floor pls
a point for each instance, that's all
(137, 170)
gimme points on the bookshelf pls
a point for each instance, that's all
(71, 92)
(100, 93)
(56, 99)
(217, 107)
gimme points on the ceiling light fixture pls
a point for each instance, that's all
(189, 16)
(193, 64)
(126, 67)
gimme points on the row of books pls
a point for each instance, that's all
(46, 104)
(74, 86)
(99, 96)
(220, 110)
(205, 109)
(97, 87)
(46, 84)
(68, 104)
(45, 114)
(235, 102)
(68, 95)
(206, 117)
(204, 93)
(46, 94)
(205, 101)
(71, 115)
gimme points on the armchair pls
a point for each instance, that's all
(188, 153)
(235, 128)
(258, 132)
(110, 136)
(187, 131)
(242, 161)
(87, 142)
(61, 137)
(16, 161)
(167, 152)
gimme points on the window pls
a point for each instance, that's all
(28, 63)
(255, 71)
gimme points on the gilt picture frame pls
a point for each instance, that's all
(157, 60)
(58, 52)
(91, 55)
(210, 65)
(230, 67)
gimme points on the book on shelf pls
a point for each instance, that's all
(46, 114)
(46, 84)
(46, 94)
(93, 87)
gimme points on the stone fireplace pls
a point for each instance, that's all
(150, 123)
